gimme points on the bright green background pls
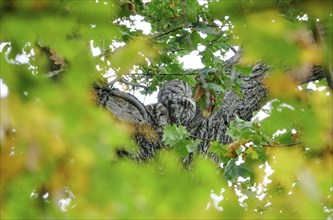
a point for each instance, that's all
(57, 141)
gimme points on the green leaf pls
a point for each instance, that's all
(245, 70)
(220, 150)
(181, 148)
(226, 8)
(192, 8)
(282, 116)
(192, 146)
(259, 27)
(215, 87)
(217, 148)
(254, 155)
(241, 129)
(239, 150)
(176, 137)
(232, 171)
(135, 53)
(285, 138)
(174, 134)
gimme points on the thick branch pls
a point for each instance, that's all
(254, 94)
(215, 127)
(318, 72)
(329, 77)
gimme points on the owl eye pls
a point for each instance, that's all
(163, 113)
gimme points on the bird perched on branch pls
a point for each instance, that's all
(175, 106)
(176, 96)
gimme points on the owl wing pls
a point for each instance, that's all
(122, 105)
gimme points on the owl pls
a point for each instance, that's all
(159, 114)
(176, 96)
(175, 106)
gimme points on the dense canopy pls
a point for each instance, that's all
(250, 136)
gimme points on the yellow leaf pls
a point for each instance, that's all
(84, 156)
(286, 163)
(134, 53)
(11, 163)
(321, 108)
(282, 85)
(268, 22)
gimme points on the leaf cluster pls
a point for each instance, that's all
(57, 153)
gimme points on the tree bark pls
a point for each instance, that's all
(254, 95)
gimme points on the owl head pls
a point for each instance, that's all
(176, 96)
(159, 114)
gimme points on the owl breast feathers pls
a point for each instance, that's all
(176, 96)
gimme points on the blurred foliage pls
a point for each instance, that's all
(57, 155)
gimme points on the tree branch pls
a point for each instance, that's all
(123, 80)
(170, 31)
(282, 145)
(232, 48)
(159, 74)
(317, 73)
(201, 138)
(329, 77)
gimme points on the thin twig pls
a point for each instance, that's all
(200, 138)
(123, 80)
(263, 138)
(206, 139)
(233, 49)
(227, 36)
(269, 145)
(159, 74)
(175, 50)
(282, 145)
(170, 31)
